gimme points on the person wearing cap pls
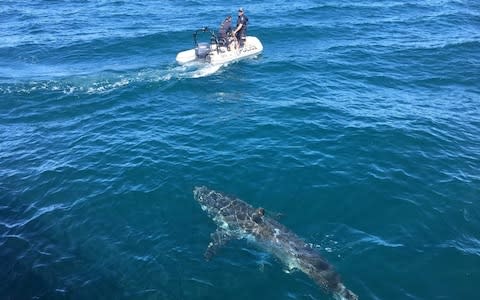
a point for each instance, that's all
(241, 31)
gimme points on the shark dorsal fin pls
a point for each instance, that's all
(257, 216)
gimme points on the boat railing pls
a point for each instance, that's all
(213, 37)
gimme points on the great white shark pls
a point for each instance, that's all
(237, 219)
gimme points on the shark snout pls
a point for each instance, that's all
(199, 193)
(196, 192)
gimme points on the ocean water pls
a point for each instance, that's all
(359, 123)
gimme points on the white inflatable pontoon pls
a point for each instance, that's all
(217, 51)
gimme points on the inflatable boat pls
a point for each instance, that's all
(219, 51)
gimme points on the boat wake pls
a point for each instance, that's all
(195, 70)
(108, 81)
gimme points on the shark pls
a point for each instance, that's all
(236, 219)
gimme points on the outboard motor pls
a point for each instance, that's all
(202, 50)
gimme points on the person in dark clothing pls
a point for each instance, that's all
(225, 28)
(225, 35)
(241, 30)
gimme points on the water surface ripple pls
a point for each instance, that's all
(359, 123)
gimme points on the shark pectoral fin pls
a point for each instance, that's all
(219, 238)
(274, 215)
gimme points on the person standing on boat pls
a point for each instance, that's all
(241, 31)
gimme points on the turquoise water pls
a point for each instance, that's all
(360, 123)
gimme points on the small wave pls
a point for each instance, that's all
(369, 238)
(201, 281)
(465, 244)
(40, 212)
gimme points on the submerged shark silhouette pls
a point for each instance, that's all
(238, 220)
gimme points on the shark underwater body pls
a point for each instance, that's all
(237, 219)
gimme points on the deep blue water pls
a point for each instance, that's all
(360, 123)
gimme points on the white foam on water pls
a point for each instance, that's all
(194, 70)
(107, 82)
(206, 71)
